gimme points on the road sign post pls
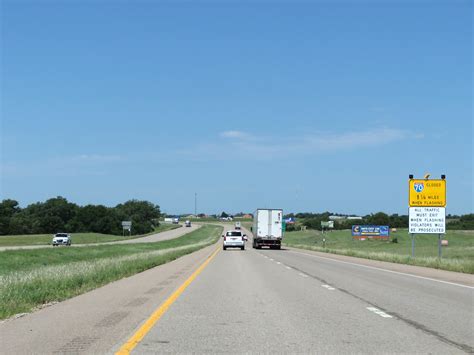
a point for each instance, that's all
(427, 208)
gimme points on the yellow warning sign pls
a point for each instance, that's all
(424, 192)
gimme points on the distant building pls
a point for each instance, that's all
(337, 218)
(354, 218)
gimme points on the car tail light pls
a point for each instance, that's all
(225, 238)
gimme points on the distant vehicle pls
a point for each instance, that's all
(267, 228)
(169, 220)
(61, 239)
(187, 223)
(237, 225)
(175, 220)
(234, 239)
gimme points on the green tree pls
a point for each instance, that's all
(143, 215)
(8, 208)
(380, 218)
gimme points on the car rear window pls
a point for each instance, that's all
(61, 235)
(234, 234)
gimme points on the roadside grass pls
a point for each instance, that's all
(77, 238)
(31, 278)
(247, 225)
(457, 256)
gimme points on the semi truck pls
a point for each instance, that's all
(267, 228)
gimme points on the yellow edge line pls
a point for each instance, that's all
(160, 311)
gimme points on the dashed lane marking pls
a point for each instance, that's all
(330, 288)
(379, 312)
(380, 269)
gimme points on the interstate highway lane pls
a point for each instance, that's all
(283, 301)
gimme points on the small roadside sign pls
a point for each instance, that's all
(126, 224)
(428, 193)
(328, 224)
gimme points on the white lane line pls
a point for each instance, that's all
(271, 259)
(303, 275)
(278, 263)
(385, 270)
(330, 288)
(289, 268)
(379, 312)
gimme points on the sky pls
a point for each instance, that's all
(309, 106)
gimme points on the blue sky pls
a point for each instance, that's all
(306, 106)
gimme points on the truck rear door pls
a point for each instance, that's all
(277, 218)
(262, 223)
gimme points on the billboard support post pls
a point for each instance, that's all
(412, 245)
(440, 251)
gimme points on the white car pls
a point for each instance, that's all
(234, 239)
(61, 239)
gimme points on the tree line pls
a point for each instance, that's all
(59, 215)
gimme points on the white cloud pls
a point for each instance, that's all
(236, 135)
(354, 140)
(75, 165)
(240, 144)
(97, 158)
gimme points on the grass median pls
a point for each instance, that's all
(457, 256)
(77, 238)
(31, 278)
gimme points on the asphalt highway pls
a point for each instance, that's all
(259, 301)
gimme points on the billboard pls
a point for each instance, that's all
(370, 231)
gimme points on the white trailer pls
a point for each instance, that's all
(267, 228)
